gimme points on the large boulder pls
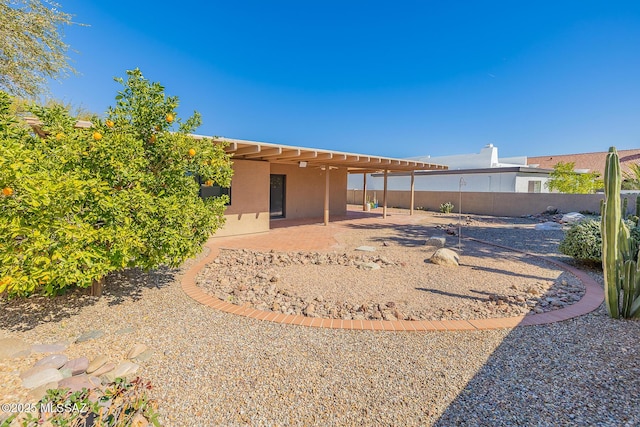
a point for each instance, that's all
(572, 217)
(444, 256)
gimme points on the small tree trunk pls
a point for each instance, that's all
(96, 287)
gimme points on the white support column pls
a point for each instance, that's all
(326, 195)
(413, 199)
(384, 195)
(364, 192)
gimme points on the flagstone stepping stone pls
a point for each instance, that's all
(79, 382)
(96, 363)
(77, 366)
(13, 347)
(136, 350)
(124, 369)
(45, 376)
(90, 335)
(145, 356)
(107, 367)
(53, 361)
(49, 348)
(366, 248)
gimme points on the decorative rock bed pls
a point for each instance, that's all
(261, 280)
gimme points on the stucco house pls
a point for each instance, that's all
(273, 181)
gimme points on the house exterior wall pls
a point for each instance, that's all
(249, 209)
(304, 197)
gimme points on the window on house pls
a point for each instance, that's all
(535, 186)
(214, 190)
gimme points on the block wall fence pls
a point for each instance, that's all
(495, 204)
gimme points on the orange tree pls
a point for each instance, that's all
(81, 203)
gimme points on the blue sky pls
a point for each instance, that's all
(400, 79)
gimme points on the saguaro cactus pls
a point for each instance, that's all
(621, 275)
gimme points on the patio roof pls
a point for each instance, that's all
(314, 157)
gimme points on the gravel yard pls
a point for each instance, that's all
(213, 368)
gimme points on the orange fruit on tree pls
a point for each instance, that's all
(7, 191)
(59, 136)
(169, 117)
(109, 123)
(97, 136)
(192, 152)
(208, 183)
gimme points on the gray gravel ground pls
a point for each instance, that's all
(212, 368)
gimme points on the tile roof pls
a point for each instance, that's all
(594, 162)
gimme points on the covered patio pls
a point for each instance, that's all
(275, 181)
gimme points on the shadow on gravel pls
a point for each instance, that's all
(23, 314)
(578, 372)
(411, 235)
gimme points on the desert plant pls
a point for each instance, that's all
(619, 250)
(121, 403)
(446, 207)
(583, 240)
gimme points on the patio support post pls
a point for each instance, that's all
(384, 195)
(326, 195)
(364, 192)
(413, 195)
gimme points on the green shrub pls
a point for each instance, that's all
(81, 203)
(446, 207)
(583, 241)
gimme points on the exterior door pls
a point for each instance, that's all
(277, 196)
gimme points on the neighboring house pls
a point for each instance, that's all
(587, 162)
(477, 172)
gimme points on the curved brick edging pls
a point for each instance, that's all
(593, 297)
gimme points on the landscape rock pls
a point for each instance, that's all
(370, 266)
(78, 382)
(124, 369)
(436, 241)
(90, 335)
(447, 257)
(53, 361)
(77, 366)
(42, 377)
(13, 347)
(39, 392)
(107, 367)
(136, 350)
(365, 248)
(572, 217)
(97, 363)
(144, 356)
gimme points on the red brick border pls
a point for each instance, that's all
(593, 297)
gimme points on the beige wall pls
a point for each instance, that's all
(498, 204)
(305, 191)
(249, 209)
